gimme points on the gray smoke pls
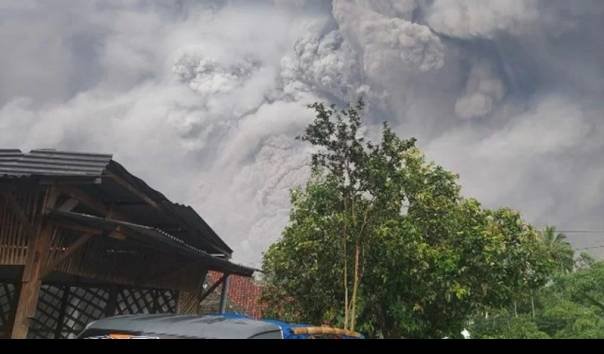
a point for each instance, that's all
(203, 98)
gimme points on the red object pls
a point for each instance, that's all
(243, 294)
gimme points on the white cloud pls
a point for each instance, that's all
(203, 99)
(385, 41)
(540, 162)
(477, 18)
(483, 90)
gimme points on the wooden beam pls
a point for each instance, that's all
(37, 254)
(69, 205)
(52, 196)
(155, 302)
(105, 210)
(85, 199)
(111, 305)
(117, 233)
(74, 247)
(224, 298)
(84, 279)
(70, 181)
(212, 288)
(83, 229)
(129, 187)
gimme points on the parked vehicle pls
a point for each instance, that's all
(225, 326)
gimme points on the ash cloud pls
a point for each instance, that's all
(203, 98)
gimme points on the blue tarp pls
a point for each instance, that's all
(286, 327)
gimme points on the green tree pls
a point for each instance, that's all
(381, 240)
(559, 249)
(504, 325)
(571, 305)
(367, 180)
(584, 261)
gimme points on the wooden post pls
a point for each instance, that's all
(31, 281)
(38, 249)
(154, 305)
(224, 296)
(207, 293)
(112, 302)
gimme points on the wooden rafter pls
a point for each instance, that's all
(78, 228)
(69, 204)
(98, 206)
(120, 181)
(85, 199)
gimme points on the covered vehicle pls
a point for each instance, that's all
(226, 326)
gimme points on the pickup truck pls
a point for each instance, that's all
(224, 326)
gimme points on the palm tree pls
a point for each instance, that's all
(559, 249)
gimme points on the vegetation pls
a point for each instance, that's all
(571, 306)
(381, 241)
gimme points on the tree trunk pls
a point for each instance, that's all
(355, 285)
(345, 255)
(533, 305)
(351, 304)
(345, 287)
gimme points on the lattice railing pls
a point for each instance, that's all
(8, 298)
(84, 305)
(131, 301)
(48, 313)
(166, 301)
(64, 311)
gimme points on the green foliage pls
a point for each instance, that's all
(559, 249)
(584, 261)
(505, 325)
(305, 257)
(427, 257)
(572, 306)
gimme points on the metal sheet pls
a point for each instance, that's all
(52, 163)
(153, 236)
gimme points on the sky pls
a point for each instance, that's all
(203, 99)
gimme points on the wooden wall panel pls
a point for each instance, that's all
(14, 239)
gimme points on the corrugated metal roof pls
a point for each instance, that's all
(14, 163)
(50, 163)
(192, 217)
(151, 234)
(187, 215)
